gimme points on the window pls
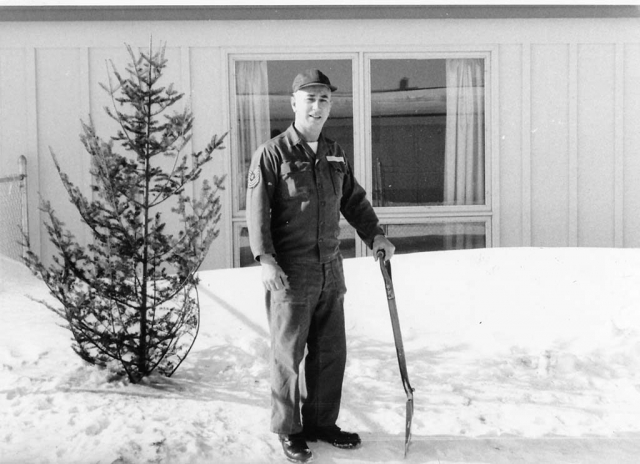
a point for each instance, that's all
(427, 130)
(263, 107)
(244, 258)
(424, 159)
(436, 236)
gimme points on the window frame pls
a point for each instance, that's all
(362, 133)
(432, 210)
(486, 220)
(292, 56)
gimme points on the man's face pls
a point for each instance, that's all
(311, 106)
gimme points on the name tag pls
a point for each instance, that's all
(335, 159)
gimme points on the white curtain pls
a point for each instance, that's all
(464, 147)
(252, 91)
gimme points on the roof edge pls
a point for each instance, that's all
(299, 12)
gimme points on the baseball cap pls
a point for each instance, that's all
(311, 77)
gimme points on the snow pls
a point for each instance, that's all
(516, 355)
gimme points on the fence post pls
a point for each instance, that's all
(14, 211)
(22, 163)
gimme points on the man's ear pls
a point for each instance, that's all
(293, 103)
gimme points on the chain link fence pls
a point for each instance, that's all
(13, 212)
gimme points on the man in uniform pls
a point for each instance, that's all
(299, 182)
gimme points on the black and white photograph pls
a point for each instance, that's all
(339, 233)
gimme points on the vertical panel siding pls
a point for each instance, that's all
(59, 101)
(208, 92)
(596, 145)
(573, 145)
(569, 107)
(15, 125)
(618, 181)
(510, 120)
(100, 66)
(12, 109)
(579, 156)
(66, 95)
(549, 144)
(526, 145)
(631, 145)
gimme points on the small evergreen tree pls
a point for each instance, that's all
(130, 297)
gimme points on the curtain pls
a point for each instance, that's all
(464, 144)
(252, 90)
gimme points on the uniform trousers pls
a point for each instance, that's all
(310, 313)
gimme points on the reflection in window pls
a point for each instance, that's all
(427, 143)
(428, 132)
(263, 107)
(244, 256)
(252, 107)
(347, 239)
(412, 238)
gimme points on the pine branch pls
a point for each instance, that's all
(196, 170)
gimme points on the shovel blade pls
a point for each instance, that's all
(409, 420)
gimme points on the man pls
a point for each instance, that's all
(299, 182)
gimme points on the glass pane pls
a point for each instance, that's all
(412, 238)
(245, 256)
(427, 128)
(263, 107)
(347, 241)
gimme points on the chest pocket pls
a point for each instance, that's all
(337, 177)
(297, 179)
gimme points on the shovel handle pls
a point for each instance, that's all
(385, 266)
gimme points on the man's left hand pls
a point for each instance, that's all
(382, 243)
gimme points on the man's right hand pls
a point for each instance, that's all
(273, 277)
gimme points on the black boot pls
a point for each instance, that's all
(334, 436)
(295, 448)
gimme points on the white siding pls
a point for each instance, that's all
(550, 144)
(209, 103)
(59, 107)
(15, 136)
(566, 116)
(631, 145)
(596, 149)
(510, 116)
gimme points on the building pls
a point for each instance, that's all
(496, 126)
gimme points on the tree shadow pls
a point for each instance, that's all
(220, 373)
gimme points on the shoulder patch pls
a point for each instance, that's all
(335, 159)
(254, 178)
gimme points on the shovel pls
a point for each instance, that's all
(385, 267)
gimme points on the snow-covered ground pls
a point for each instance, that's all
(516, 355)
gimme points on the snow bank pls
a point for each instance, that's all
(503, 346)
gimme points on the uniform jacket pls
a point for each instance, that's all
(295, 197)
